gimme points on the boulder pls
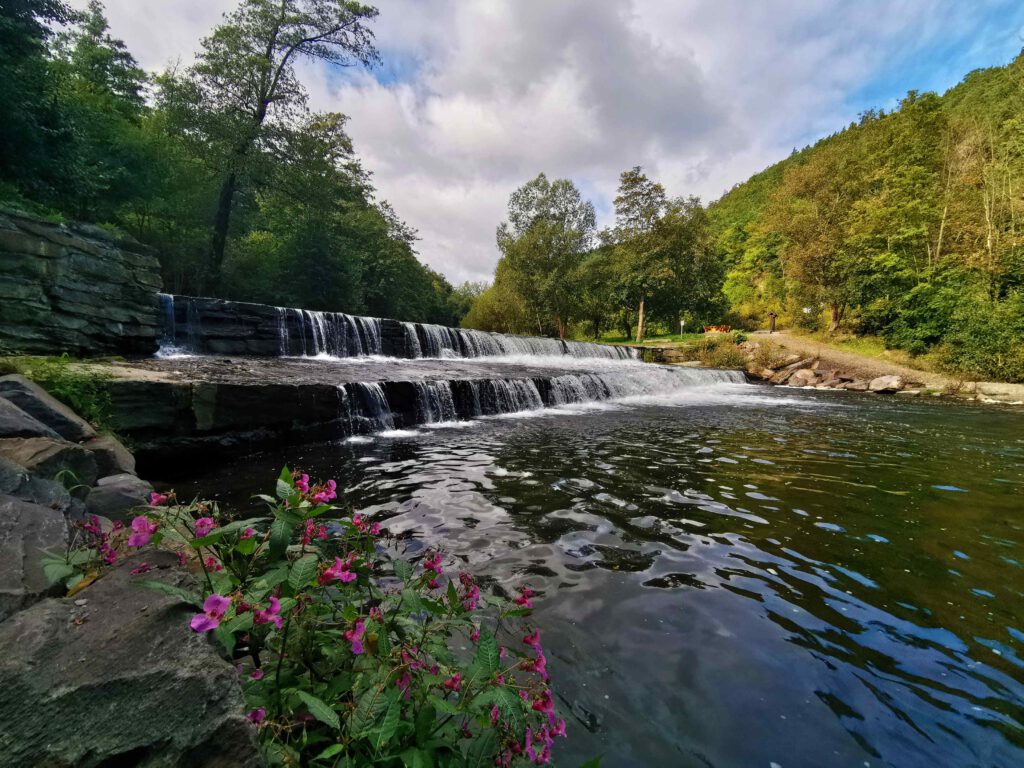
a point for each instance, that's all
(112, 458)
(116, 496)
(886, 384)
(41, 405)
(783, 374)
(790, 359)
(14, 422)
(115, 677)
(46, 458)
(27, 531)
(802, 378)
(16, 481)
(856, 386)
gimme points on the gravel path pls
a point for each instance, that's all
(851, 363)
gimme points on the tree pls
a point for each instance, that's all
(549, 231)
(639, 207)
(243, 92)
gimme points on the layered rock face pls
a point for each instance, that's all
(75, 289)
(111, 676)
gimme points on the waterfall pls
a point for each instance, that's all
(428, 340)
(434, 402)
(373, 406)
(308, 333)
(412, 341)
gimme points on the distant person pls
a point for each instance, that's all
(771, 322)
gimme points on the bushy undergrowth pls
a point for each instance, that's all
(718, 351)
(349, 654)
(769, 355)
(83, 392)
(987, 340)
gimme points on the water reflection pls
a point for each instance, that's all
(837, 581)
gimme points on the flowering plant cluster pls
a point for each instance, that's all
(351, 655)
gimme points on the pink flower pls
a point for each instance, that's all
(533, 640)
(525, 593)
(269, 616)
(256, 674)
(454, 682)
(141, 568)
(340, 571)
(433, 563)
(474, 636)
(156, 499)
(203, 526)
(213, 611)
(248, 533)
(181, 559)
(495, 714)
(257, 716)
(302, 483)
(213, 564)
(355, 636)
(376, 614)
(142, 530)
(312, 530)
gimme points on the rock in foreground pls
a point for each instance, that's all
(114, 677)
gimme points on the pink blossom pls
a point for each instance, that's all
(203, 526)
(141, 568)
(454, 682)
(269, 616)
(433, 563)
(525, 593)
(495, 714)
(248, 533)
(312, 530)
(213, 564)
(213, 611)
(257, 716)
(533, 640)
(142, 530)
(474, 636)
(181, 559)
(355, 636)
(256, 674)
(326, 492)
(376, 613)
(340, 571)
(156, 499)
(302, 483)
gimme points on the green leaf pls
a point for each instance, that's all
(371, 706)
(482, 750)
(239, 623)
(169, 589)
(331, 751)
(417, 758)
(403, 570)
(392, 717)
(284, 489)
(487, 655)
(443, 705)
(280, 537)
(320, 710)
(425, 722)
(453, 598)
(246, 546)
(302, 572)
(57, 570)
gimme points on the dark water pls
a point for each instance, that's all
(738, 576)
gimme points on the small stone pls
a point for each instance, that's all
(886, 384)
(81, 602)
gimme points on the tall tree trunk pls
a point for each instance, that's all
(837, 317)
(221, 222)
(640, 322)
(562, 323)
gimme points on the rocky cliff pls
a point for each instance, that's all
(76, 289)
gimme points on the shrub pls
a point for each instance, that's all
(82, 391)
(769, 355)
(718, 351)
(350, 654)
(986, 339)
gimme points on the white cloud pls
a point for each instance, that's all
(476, 98)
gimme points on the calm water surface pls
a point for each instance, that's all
(737, 576)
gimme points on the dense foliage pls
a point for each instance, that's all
(350, 655)
(221, 166)
(906, 225)
(657, 262)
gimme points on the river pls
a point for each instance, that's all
(731, 574)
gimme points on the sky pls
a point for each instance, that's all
(476, 97)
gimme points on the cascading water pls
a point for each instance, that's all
(306, 333)
(435, 402)
(426, 340)
(371, 406)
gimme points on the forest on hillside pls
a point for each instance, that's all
(907, 225)
(221, 166)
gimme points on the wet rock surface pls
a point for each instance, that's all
(114, 677)
(49, 458)
(38, 403)
(27, 532)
